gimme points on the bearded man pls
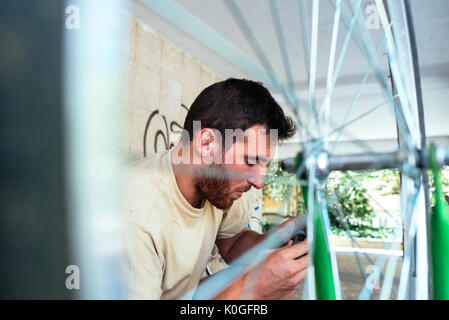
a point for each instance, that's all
(184, 201)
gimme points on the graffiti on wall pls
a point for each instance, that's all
(160, 134)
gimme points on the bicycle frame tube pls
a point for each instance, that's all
(322, 264)
(439, 226)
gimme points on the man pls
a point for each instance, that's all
(191, 197)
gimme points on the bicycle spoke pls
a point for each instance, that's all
(362, 39)
(355, 182)
(305, 34)
(351, 29)
(356, 244)
(325, 109)
(317, 129)
(351, 106)
(311, 107)
(339, 130)
(282, 44)
(387, 285)
(255, 46)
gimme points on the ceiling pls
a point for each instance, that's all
(431, 25)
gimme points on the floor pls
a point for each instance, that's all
(350, 275)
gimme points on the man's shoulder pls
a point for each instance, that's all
(146, 173)
(142, 167)
(142, 185)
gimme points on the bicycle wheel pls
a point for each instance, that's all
(339, 39)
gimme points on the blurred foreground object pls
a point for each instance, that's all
(33, 225)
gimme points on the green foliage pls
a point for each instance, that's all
(277, 182)
(361, 232)
(444, 183)
(348, 205)
(346, 195)
(387, 181)
(445, 178)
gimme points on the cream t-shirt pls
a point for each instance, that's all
(169, 242)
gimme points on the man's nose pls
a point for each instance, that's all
(258, 180)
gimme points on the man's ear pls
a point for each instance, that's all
(207, 145)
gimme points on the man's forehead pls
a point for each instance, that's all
(257, 130)
(259, 135)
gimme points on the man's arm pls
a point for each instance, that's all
(143, 266)
(276, 277)
(233, 247)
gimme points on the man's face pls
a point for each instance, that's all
(244, 166)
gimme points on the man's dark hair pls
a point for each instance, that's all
(238, 104)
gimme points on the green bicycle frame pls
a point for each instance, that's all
(324, 279)
(439, 227)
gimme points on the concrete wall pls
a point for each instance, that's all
(162, 83)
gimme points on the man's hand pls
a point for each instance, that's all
(280, 273)
(290, 228)
(277, 276)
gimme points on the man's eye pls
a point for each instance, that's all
(250, 164)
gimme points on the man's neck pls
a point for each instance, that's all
(186, 181)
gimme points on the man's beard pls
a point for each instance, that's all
(213, 184)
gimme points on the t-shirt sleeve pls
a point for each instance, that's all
(236, 218)
(143, 265)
